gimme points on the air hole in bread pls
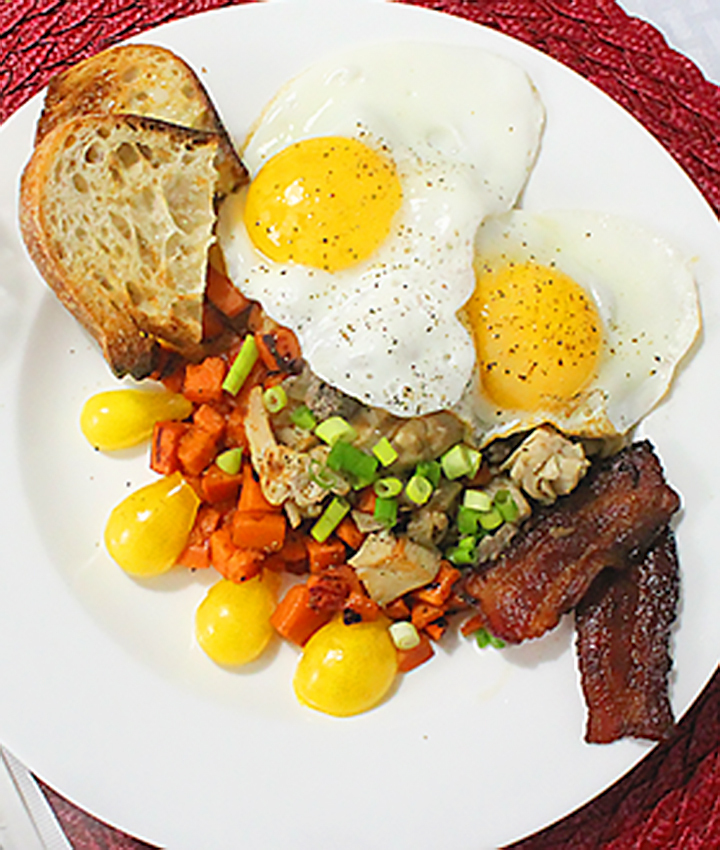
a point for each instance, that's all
(188, 91)
(94, 154)
(130, 74)
(104, 132)
(116, 176)
(121, 225)
(145, 250)
(146, 151)
(81, 233)
(80, 183)
(134, 293)
(127, 154)
(69, 141)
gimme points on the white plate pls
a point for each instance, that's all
(104, 693)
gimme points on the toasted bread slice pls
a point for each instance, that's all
(137, 79)
(117, 212)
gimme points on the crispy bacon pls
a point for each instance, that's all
(620, 507)
(623, 633)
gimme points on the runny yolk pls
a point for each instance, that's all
(537, 335)
(326, 202)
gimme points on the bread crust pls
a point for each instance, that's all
(140, 79)
(130, 79)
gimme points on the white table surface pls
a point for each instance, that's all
(691, 27)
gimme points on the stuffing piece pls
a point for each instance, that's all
(285, 473)
(547, 465)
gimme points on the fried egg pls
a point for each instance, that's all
(370, 173)
(579, 320)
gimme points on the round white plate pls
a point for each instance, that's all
(104, 693)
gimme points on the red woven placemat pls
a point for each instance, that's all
(672, 799)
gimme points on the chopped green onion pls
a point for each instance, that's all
(462, 554)
(484, 638)
(386, 511)
(229, 461)
(431, 470)
(240, 369)
(345, 457)
(303, 417)
(460, 461)
(275, 399)
(507, 506)
(492, 519)
(384, 452)
(467, 520)
(323, 476)
(387, 488)
(418, 489)
(404, 634)
(478, 500)
(335, 428)
(329, 520)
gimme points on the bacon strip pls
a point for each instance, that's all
(623, 635)
(621, 506)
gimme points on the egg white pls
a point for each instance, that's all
(645, 295)
(463, 129)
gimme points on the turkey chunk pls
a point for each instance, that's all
(547, 465)
(389, 566)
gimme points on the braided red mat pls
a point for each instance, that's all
(672, 798)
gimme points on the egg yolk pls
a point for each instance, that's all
(326, 202)
(537, 335)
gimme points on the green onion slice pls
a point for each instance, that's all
(387, 488)
(329, 520)
(230, 460)
(431, 470)
(506, 505)
(322, 475)
(240, 369)
(404, 634)
(492, 519)
(384, 452)
(345, 457)
(467, 520)
(478, 500)
(484, 638)
(335, 428)
(459, 461)
(386, 511)
(303, 417)
(274, 399)
(418, 489)
(461, 557)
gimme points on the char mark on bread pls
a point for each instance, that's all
(617, 511)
